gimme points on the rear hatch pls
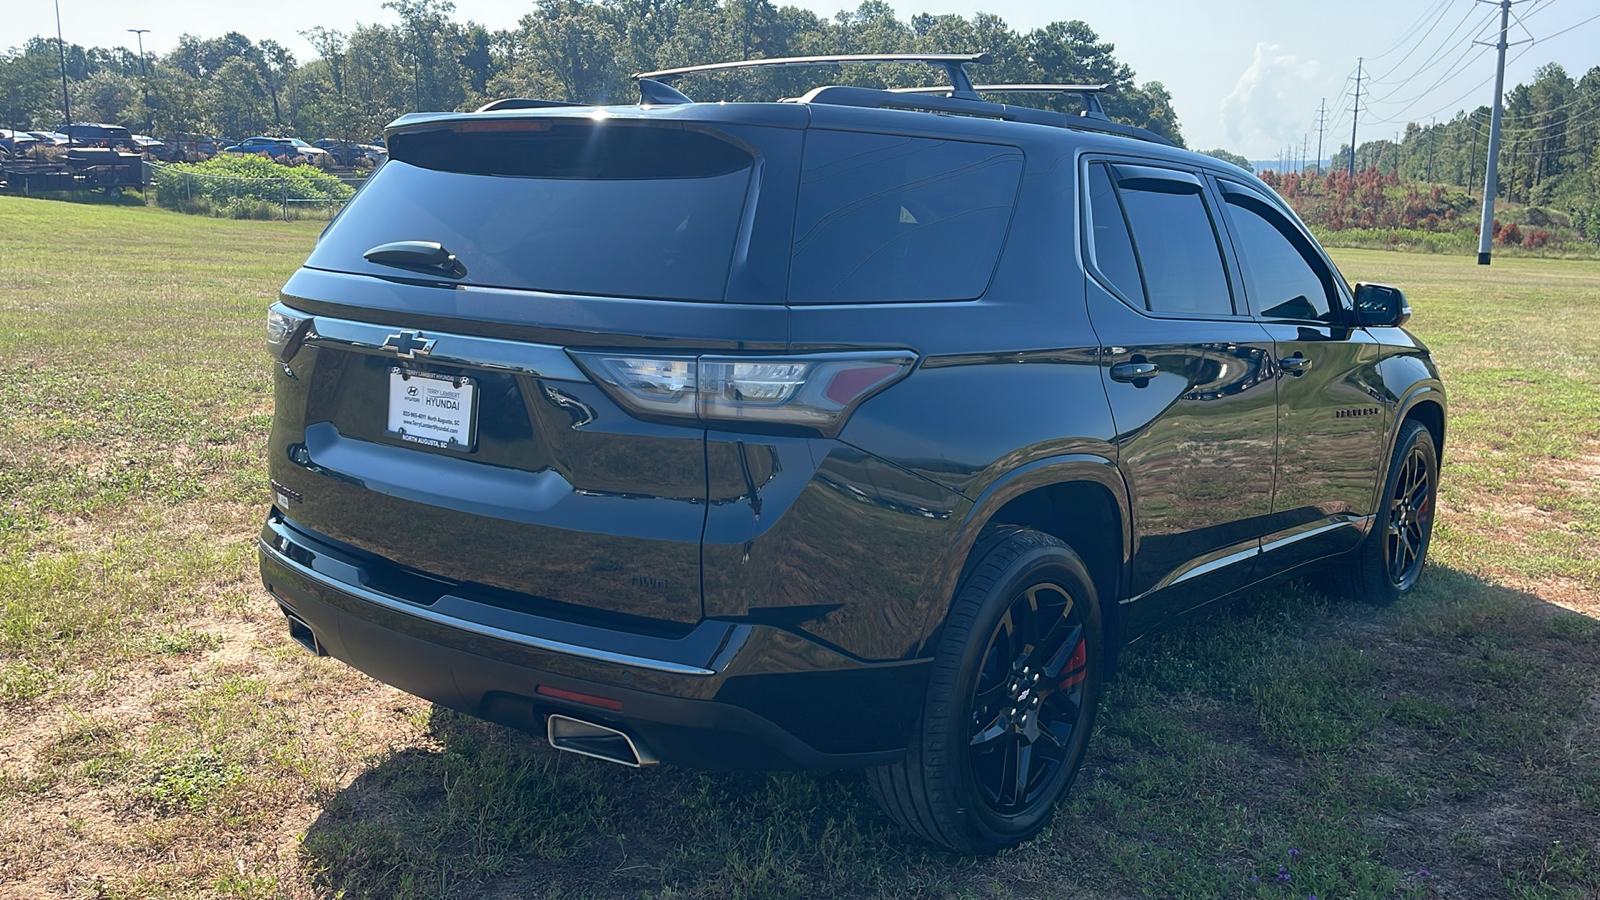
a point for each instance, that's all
(443, 411)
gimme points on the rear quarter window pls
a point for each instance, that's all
(887, 218)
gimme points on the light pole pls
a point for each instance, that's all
(144, 76)
(66, 100)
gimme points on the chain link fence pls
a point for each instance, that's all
(298, 192)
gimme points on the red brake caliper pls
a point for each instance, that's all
(1076, 668)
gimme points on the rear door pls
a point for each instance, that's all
(439, 418)
(1188, 373)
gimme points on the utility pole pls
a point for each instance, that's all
(1322, 121)
(1355, 115)
(144, 76)
(66, 102)
(1491, 168)
(1472, 158)
(1305, 147)
(1432, 128)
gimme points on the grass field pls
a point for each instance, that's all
(160, 736)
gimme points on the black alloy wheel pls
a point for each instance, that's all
(1410, 518)
(1028, 701)
(1011, 699)
(1388, 563)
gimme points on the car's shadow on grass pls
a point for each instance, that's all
(498, 812)
(1436, 737)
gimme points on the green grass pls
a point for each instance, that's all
(159, 736)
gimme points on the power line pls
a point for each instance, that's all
(1396, 67)
(1443, 4)
(1461, 64)
(1474, 89)
(1554, 109)
(1521, 136)
(1434, 58)
(1568, 28)
(1521, 21)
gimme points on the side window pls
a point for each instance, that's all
(1174, 243)
(1284, 280)
(1113, 246)
(882, 218)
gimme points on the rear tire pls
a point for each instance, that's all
(1011, 700)
(1388, 562)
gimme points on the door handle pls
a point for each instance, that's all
(1134, 371)
(1295, 365)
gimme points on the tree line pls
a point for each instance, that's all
(572, 50)
(1549, 148)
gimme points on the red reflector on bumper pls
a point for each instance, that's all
(575, 697)
(281, 598)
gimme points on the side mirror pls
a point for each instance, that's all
(1380, 304)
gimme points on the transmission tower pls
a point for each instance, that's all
(1355, 115)
(1322, 122)
(1491, 169)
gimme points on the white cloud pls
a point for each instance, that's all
(1273, 103)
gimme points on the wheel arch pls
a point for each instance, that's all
(1070, 498)
(1423, 403)
(1426, 405)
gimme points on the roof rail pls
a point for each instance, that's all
(1089, 92)
(521, 103)
(874, 98)
(952, 63)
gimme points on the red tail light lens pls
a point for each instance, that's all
(814, 393)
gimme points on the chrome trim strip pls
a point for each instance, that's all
(539, 360)
(394, 604)
(1205, 568)
(1348, 522)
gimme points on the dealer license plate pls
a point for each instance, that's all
(437, 410)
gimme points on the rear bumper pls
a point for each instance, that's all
(720, 694)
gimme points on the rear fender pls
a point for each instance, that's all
(1041, 473)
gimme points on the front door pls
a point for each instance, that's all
(1330, 414)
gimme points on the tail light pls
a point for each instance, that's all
(814, 393)
(284, 331)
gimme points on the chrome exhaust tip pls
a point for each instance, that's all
(598, 741)
(301, 634)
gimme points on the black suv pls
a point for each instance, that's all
(858, 430)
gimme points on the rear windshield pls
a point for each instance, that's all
(670, 211)
(611, 209)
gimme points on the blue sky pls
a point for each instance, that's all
(1247, 76)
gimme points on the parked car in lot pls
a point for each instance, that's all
(278, 148)
(350, 153)
(193, 146)
(860, 430)
(154, 148)
(96, 134)
(50, 138)
(13, 143)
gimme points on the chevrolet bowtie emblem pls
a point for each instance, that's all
(407, 344)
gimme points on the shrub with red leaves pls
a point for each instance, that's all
(1536, 238)
(1508, 235)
